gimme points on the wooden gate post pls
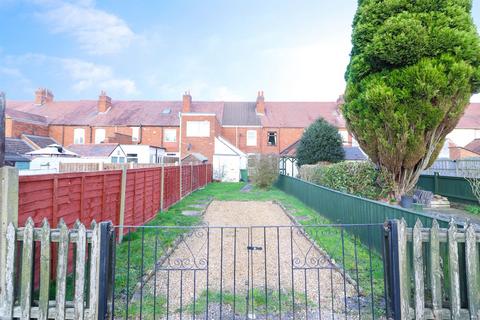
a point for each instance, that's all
(8, 211)
(397, 269)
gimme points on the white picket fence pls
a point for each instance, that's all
(16, 299)
(455, 168)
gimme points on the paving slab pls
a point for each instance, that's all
(191, 213)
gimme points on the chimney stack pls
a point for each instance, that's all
(187, 102)
(42, 96)
(260, 107)
(104, 102)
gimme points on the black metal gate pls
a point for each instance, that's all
(258, 272)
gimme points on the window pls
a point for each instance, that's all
(79, 136)
(132, 157)
(135, 133)
(114, 159)
(99, 135)
(272, 138)
(170, 135)
(344, 135)
(251, 138)
(198, 128)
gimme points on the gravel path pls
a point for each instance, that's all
(318, 286)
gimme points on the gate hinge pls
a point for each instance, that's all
(254, 248)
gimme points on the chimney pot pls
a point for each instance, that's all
(260, 106)
(187, 102)
(42, 96)
(104, 102)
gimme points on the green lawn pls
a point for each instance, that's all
(360, 263)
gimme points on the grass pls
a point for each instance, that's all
(475, 210)
(360, 262)
(271, 303)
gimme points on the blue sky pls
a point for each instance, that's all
(217, 49)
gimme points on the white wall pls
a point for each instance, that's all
(226, 168)
(462, 137)
(142, 151)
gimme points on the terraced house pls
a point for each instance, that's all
(224, 132)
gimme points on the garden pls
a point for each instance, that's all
(153, 275)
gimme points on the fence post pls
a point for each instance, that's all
(123, 196)
(435, 182)
(8, 212)
(397, 268)
(105, 269)
(162, 180)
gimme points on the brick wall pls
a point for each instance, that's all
(203, 145)
(148, 135)
(15, 128)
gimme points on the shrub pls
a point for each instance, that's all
(320, 142)
(265, 171)
(357, 178)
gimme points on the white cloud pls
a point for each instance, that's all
(83, 76)
(475, 98)
(96, 31)
(88, 75)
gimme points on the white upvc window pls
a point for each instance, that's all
(135, 133)
(99, 135)
(78, 136)
(198, 128)
(170, 135)
(251, 138)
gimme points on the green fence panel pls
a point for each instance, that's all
(456, 189)
(343, 208)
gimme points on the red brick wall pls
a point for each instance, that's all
(15, 129)
(238, 137)
(148, 135)
(203, 145)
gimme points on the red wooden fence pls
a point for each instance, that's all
(88, 196)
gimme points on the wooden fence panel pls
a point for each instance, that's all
(460, 243)
(16, 300)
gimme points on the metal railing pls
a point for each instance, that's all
(228, 272)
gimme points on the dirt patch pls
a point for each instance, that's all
(250, 251)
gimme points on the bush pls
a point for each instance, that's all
(320, 142)
(265, 171)
(357, 178)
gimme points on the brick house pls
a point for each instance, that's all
(185, 126)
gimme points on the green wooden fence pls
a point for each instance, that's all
(456, 189)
